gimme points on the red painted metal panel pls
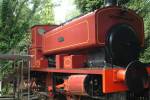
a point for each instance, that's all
(60, 61)
(37, 32)
(90, 30)
(37, 53)
(74, 61)
(77, 34)
(71, 71)
(148, 70)
(110, 84)
(38, 60)
(106, 18)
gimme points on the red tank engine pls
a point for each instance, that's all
(95, 54)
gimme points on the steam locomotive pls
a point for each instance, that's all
(91, 57)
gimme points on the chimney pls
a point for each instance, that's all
(110, 2)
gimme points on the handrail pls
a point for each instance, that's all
(15, 57)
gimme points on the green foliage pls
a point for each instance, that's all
(142, 7)
(88, 5)
(7, 89)
(15, 21)
(44, 14)
(73, 13)
(16, 18)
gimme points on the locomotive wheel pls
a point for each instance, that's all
(93, 85)
(116, 96)
(137, 77)
(59, 97)
(132, 96)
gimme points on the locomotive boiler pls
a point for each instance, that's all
(92, 56)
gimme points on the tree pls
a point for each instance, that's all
(16, 18)
(142, 8)
(44, 13)
(88, 5)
